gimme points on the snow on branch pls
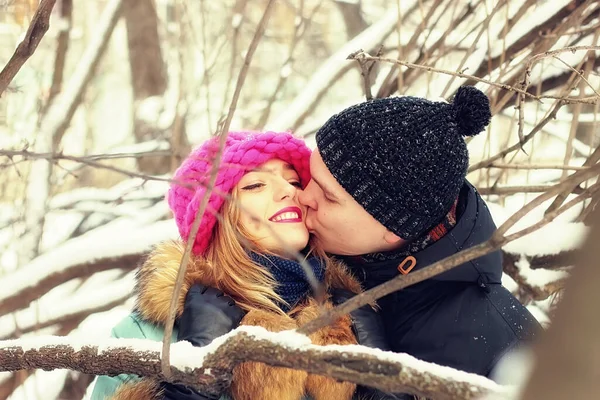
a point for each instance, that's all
(210, 368)
(118, 245)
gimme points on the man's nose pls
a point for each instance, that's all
(306, 198)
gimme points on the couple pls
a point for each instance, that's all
(383, 194)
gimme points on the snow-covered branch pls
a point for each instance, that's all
(210, 368)
(118, 245)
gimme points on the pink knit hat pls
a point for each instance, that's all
(243, 151)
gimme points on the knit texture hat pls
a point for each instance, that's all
(243, 151)
(404, 159)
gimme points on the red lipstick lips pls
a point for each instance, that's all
(287, 214)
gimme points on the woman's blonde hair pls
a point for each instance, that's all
(232, 270)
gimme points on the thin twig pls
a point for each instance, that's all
(36, 31)
(551, 115)
(366, 57)
(536, 166)
(165, 364)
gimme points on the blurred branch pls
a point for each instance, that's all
(330, 71)
(300, 28)
(62, 46)
(535, 166)
(536, 292)
(498, 240)
(508, 190)
(36, 31)
(47, 280)
(53, 126)
(237, 18)
(87, 160)
(567, 354)
(562, 259)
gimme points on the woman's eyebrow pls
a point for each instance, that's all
(286, 166)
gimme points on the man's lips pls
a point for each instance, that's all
(287, 214)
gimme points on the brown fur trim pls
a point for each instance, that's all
(155, 281)
(340, 332)
(145, 389)
(252, 380)
(338, 276)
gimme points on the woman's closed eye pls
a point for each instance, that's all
(253, 186)
(296, 184)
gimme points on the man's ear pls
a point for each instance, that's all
(391, 238)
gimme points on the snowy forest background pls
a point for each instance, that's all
(95, 119)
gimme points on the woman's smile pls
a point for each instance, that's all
(287, 215)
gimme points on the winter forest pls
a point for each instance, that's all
(102, 99)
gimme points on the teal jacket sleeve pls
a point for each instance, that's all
(132, 327)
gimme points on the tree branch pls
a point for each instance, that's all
(209, 368)
(36, 31)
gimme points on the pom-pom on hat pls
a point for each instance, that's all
(404, 159)
(243, 152)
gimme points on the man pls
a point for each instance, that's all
(389, 196)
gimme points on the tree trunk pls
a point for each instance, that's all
(148, 75)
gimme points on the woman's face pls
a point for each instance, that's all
(269, 207)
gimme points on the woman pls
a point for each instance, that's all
(245, 253)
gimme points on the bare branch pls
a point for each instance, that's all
(366, 57)
(36, 31)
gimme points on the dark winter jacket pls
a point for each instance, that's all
(463, 318)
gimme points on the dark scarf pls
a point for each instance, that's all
(432, 236)
(289, 274)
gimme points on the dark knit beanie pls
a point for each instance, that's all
(404, 159)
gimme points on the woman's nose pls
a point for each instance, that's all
(286, 190)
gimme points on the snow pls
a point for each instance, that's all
(539, 315)
(553, 238)
(119, 238)
(509, 283)
(41, 385)
(513, 369)
(49, 308)
(538, 277)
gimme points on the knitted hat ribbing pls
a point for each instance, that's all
(243, 151)
(404, 159)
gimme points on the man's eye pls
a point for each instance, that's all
(253, 186)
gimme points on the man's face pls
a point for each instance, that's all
(338, 222)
